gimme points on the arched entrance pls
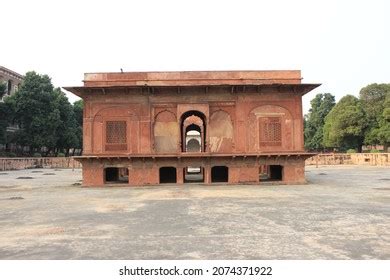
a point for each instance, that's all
(271, 173)
(167, 175)
(193, 131)
(116, 175)
(193, 144)
(219, 174)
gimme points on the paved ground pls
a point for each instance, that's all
(343, 213)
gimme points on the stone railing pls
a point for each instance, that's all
(382, 159)
(48, 162)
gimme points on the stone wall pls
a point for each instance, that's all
(382, 159)
(48, 162)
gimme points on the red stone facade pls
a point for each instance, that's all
(237, 127)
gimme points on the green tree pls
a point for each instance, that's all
(383, 131)
(78, 107)
(36, 112)
(4, 114)
(373, 99)
(66, 131)
(345, 124)
(5, 119)
(321, 105)
(3, 88)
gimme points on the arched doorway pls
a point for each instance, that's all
(193, 174)
(193, 131)
(193, 144)
(116, 175)
(271, 173)
(219, 174)
(167, 175)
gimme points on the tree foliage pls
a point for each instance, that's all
(382, 133)
(5, 118)
(375, 99)
(321, 105)
(67, 126)
(44, 115)
(5, 114)
(36, 112)
(345, 124)
(78, 107)
(3, 88)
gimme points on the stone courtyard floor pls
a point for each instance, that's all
(342, 213)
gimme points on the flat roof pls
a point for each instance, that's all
(192, 78)
(300, 89)
(197, 155)
(267, 78)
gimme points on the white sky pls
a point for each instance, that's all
(344, 45)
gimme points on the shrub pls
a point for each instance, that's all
(374, 151)
(351, 151)
(37, 155)
(7, 154)
(60, 155)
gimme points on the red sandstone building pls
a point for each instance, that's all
(182, 127)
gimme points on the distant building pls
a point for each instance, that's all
(11, 79)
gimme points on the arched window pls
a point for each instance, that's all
(9, 87)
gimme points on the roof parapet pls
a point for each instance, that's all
(192, 78)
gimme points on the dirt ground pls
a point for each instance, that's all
(342, 213)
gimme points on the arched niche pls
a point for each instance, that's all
(166, 132)
(122, 114)
(270, 128)
(221, 132)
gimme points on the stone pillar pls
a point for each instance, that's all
(179, 175)
(93, 174)
(130, 169)
(87, 135)
(207, 140)
(207, 174)
(135, 177)
(234, 175)
(147, 175)
(246, 175)
(294, 173)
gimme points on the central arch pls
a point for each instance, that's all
(193, 128)
(193, 145)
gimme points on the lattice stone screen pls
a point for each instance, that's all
(270, 130)
(116, 139)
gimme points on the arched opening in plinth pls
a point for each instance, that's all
(219, 174)
(193, 174)
(270, 173)
(113, 175)
(167, 175)
(193, 132)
